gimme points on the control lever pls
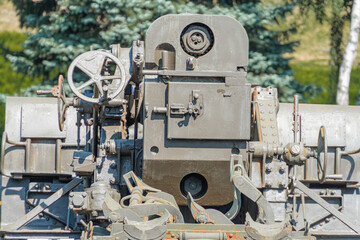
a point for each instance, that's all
(206, 216)
(244, 185)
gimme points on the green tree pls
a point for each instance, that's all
(67, 28)
(335, 12)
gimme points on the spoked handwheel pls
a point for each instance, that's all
(322, 147)
(91, 63)
(61, 102)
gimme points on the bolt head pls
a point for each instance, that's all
(295, 149)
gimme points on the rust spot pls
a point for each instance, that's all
(221, 91)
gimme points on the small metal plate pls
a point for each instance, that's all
(40, 121)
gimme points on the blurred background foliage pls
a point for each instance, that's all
(295, 45)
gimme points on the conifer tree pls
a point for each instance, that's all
(65, 29)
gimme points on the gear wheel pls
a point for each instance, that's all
(197, 39)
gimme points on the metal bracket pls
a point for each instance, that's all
(339, 215)
(44, 205)
(244, 185)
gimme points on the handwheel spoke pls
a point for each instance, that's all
(100, 61)
(84, 70)
(86, 84)
(111, 77)
(99, 86)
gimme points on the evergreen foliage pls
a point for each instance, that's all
(67, 28)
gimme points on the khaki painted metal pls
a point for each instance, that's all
(206, 117)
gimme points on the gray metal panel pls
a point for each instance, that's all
(40, 121)
(14, 207)
(311, 124)
(341, 123)
(208, 157)
(42, 150)
(224, 111)
(226, 54)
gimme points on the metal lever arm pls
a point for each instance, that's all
(244, 185)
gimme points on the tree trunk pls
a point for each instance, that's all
(342, 97)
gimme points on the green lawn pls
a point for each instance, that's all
(312, 72)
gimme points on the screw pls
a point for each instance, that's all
(268, 184)
(332, 192)
(327, 220)
(71, 194)
(322, 192)
(281, 169)
(112, 181)
(37, 186)
(268, 169)
(47, 187)
(113, 165)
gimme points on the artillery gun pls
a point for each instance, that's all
(168, 140)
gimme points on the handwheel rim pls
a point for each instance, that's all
(90, 54)
(322, 146)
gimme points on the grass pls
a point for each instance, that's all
(313, 72)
